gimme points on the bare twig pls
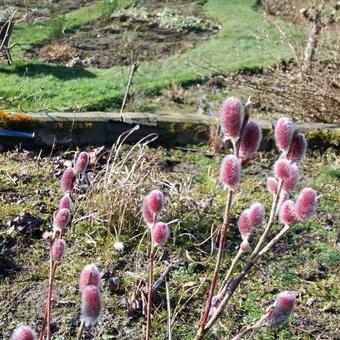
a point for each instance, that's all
(133, 69)
(168, 304)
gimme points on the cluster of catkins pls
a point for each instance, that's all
(293, 145)
(91, 303)
(152, 206)
(246, 139)
(60, 221)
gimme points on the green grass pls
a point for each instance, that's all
(246, 40)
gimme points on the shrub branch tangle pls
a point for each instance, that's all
(292, 145)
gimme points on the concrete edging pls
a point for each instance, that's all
(103, 128)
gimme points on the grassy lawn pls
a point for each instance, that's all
(246, 40)
(304, 261)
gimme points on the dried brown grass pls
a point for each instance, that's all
(58, 53)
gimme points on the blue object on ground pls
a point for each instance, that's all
(18, 134)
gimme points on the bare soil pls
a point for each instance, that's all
(33, 9)
(112, 42)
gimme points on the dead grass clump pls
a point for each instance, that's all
(116, 192)
(58, 53)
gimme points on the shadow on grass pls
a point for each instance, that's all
(60, 72)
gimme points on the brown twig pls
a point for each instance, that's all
(81, 330)
(149, 305)
(133, 69)
(252, 260)
(217, 266)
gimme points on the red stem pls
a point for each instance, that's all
(149, 306)
(212, 289)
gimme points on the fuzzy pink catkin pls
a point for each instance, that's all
(62, 219)
(230, 172)
(58, 249)
(244, 224)
(306, 204)
(287, 213)
(67, 180)
(256, 215)
(251, 139)
(272, 185)
(91, 305)
(155, 201)
(90, 275)
(298, 148)
(231, 117)
(245, 246)
(65, 202)
(23, 333)
(284, 131)
(282, 169)
(147, 213)
(281, 310)
(81, 163)
(290, 183)
(160, 234)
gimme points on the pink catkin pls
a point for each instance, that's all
(287, 213)
(23, 333)
(284, 131)
(306, 204)
(90, 275)
(91, 305)
(147, 213)
(65, 202)
(251, 139)
(290, 183)
(272, 185)
(62, 219)
(230, 172)
(298, 148)
(160, 234)
(281, 310)
(155, 201)
(244, 224)
(231, 117)
(256, 215)
(58, 249)
(282, 169)
(245, 246)
(81, 163)
(67, 180)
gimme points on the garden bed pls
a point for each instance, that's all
(39, 9)
(152, 32)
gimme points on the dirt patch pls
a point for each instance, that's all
(138, 35)
(32, 9)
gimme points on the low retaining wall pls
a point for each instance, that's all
(99, 128)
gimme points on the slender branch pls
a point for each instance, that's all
(274, 240)
(244, 332)
(81, 330)
(133, 69)
(254, 256)
(217, 266)
(270, 221)
(168, 305)
(225, 282)
(149, 305)
(53, 266)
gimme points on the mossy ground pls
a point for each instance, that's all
(305, 261)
